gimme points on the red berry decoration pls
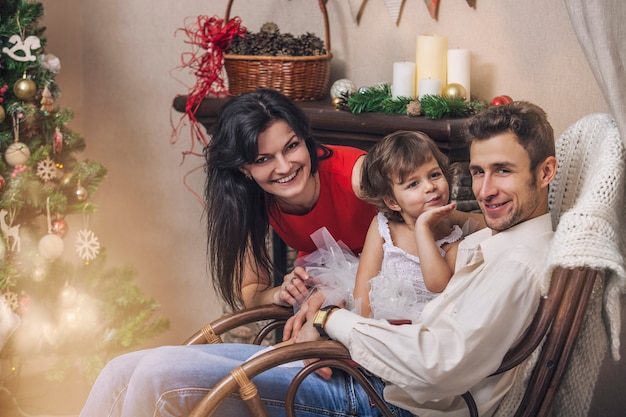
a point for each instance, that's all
(500, 100)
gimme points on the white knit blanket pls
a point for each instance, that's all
(587, 203)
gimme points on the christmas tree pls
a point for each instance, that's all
(82, 313)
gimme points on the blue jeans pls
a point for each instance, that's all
(171, 380)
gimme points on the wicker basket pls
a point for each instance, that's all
(300, 78)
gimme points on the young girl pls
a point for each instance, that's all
(410, 248)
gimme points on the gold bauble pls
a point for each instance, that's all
(2, 114)
(66, 179)
(454, 91)
(25, 89)
(338, 103)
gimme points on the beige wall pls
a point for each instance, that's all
(116, 60)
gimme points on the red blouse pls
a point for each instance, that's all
(346, 217)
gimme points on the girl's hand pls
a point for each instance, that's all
(431, 218)
(294, 289)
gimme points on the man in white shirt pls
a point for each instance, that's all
(464, 333)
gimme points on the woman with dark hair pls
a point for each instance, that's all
(264, 169)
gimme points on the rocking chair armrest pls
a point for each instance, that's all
(210, 333)
(241, 376)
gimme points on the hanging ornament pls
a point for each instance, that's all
(50, 246)
(66, 179)
(11, 299)
(25, 89)
(454, 91)
(11, 233)
(51, 63)
(81, 193)
(87, 244)
(2, 114)
(57, 141)
(60, 227)
(21, 49)
(1, 182)
(17, 154)
(46, 169)
(47, 103)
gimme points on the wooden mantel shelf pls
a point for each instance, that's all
(362, 130)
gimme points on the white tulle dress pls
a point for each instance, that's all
(398, 291)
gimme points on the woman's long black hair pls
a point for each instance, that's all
(236, 207)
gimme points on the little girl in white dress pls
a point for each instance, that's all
(410, 248)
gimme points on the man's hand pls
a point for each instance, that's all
(305, 313)
(308, 333)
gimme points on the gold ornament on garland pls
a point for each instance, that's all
(454, 91)
(2, 114)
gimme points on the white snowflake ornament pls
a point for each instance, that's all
(87, 245)
(46, 169)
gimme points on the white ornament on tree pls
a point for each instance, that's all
(51, 246)
(25, 46)
(87, 244)
(17, 154)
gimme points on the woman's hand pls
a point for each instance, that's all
(294, 289)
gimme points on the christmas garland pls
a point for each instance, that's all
(378, 99)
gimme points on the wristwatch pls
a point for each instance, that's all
(320, 319)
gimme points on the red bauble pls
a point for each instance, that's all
(59, 227)
(500, 100)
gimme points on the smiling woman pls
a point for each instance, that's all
(264, 168)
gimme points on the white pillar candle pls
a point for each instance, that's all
(459, 69)
(403, 84)
(429, 86)
(432, 58)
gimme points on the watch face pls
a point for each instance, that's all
(318, 320)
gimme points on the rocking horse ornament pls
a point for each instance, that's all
(25, 46)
